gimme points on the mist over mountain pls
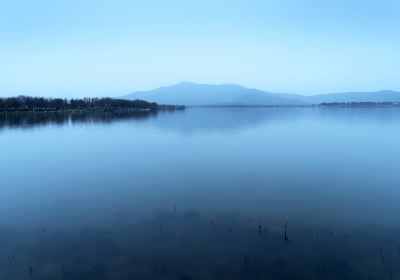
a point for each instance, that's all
(187, 93)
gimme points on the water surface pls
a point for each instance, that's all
(201, 194)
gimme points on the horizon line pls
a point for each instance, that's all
(119, 95)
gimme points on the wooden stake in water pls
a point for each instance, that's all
(286, 224)
(30, 272)
(381, 252)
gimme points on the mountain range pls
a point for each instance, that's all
(191, 94)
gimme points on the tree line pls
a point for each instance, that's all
(366, 103)
(26, 103)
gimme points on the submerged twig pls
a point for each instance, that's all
(381, 252)
(30, 272)
(286, 224)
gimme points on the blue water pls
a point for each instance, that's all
(162, 192)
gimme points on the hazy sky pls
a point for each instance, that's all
(75, 48)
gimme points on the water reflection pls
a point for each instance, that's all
(235, 119)
(194, 120)
(31, 120)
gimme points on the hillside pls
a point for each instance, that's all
(187, 93)
(202, 95)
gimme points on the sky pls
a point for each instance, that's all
(78, 48)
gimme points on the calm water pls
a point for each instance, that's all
(201, 194)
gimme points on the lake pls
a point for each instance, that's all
(204, 193)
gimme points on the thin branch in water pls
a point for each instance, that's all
(286, 224)
(30, 272)
(381, 252)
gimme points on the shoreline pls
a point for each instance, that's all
(298, 106)
(183, 107)
(118, 110)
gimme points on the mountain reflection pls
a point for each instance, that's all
(194, 120)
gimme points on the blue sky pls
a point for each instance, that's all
(75, 48)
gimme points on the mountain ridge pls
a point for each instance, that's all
(193, 94)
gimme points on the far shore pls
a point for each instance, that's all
(40, 104)
(119, 110)
(183, 107)
(322, 105)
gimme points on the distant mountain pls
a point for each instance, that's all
(187, 93)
